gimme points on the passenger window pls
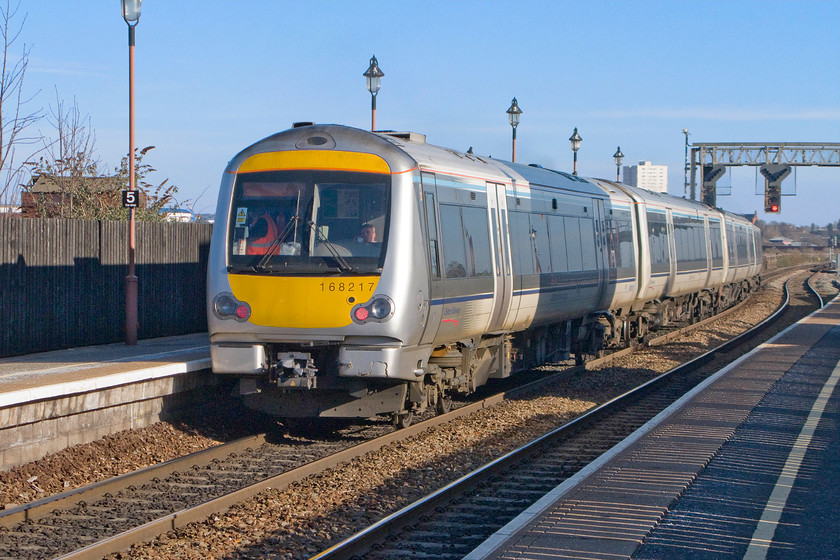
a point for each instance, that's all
(453, 241)
(522, 247)
(431, 228)
(587, 242)
(477, 242)
(557, 233)
(539, 235)
(573, 247)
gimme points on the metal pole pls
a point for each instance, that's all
(372, 112)
(694, 155)
(574, 172)
(685, 184)
(513, 147)
(131, 279)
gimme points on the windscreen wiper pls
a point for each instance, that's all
(260, 266)
(343, 265)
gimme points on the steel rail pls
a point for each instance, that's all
(152, 529)
(40, 508)
(814, 290)
(393, 523)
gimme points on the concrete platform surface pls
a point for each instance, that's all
(78, 370)
(743, 466)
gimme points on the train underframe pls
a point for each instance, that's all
(293, 387)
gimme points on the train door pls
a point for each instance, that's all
(602, 247)
(503, 274)
(672, 253)
(433, 242)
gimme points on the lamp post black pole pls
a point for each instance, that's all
(373, 77)
(619, 157)
(575, 140)
(513, 117)
(131, 14)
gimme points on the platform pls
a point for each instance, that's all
(52, 400)
(744, 466)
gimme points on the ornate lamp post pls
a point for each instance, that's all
(131, 15)
(575, 140)
(374, 78)
(513, 116)
(619, 157)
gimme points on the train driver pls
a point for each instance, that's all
(368, 234)
(261, 234)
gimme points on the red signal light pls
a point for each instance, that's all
(774, 208)
(361, 313)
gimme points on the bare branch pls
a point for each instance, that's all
(14, 118)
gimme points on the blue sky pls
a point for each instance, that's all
(215, 76)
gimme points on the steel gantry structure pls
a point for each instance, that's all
(775, 159)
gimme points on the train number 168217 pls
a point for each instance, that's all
(347, 286)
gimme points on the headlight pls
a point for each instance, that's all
(225, 306)
(380, 308)
(377, 310)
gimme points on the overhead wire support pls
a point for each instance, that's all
(761, 153)
(709, 159)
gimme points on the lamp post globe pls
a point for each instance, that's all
(513, 114)
(619, 157)
(575, 140)
(131, 11)
(373, 78)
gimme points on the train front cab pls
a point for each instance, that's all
(325, 317)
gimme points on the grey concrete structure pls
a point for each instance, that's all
(52, 400)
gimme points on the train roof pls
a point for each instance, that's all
(538, 175)
(440, 158)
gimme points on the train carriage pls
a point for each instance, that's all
(355, 273)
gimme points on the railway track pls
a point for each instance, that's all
(451, 522)
(110, 516)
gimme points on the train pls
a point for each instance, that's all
(355, 274)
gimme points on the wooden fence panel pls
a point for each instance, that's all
(62, 282)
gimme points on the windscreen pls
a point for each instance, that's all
(310, 222)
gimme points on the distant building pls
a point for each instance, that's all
(177, 214)
(781, 241)
(647, 176)
(46, 195)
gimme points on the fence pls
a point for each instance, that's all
(62, 282)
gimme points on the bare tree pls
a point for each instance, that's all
(68, 180)
(15, 119)
(69, 163)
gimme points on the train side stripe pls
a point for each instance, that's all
(461, 299)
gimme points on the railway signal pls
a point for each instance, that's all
(772, 200)
(773, 174)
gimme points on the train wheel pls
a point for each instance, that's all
(403, 420)
(443, 404)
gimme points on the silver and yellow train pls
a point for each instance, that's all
(354, 273)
